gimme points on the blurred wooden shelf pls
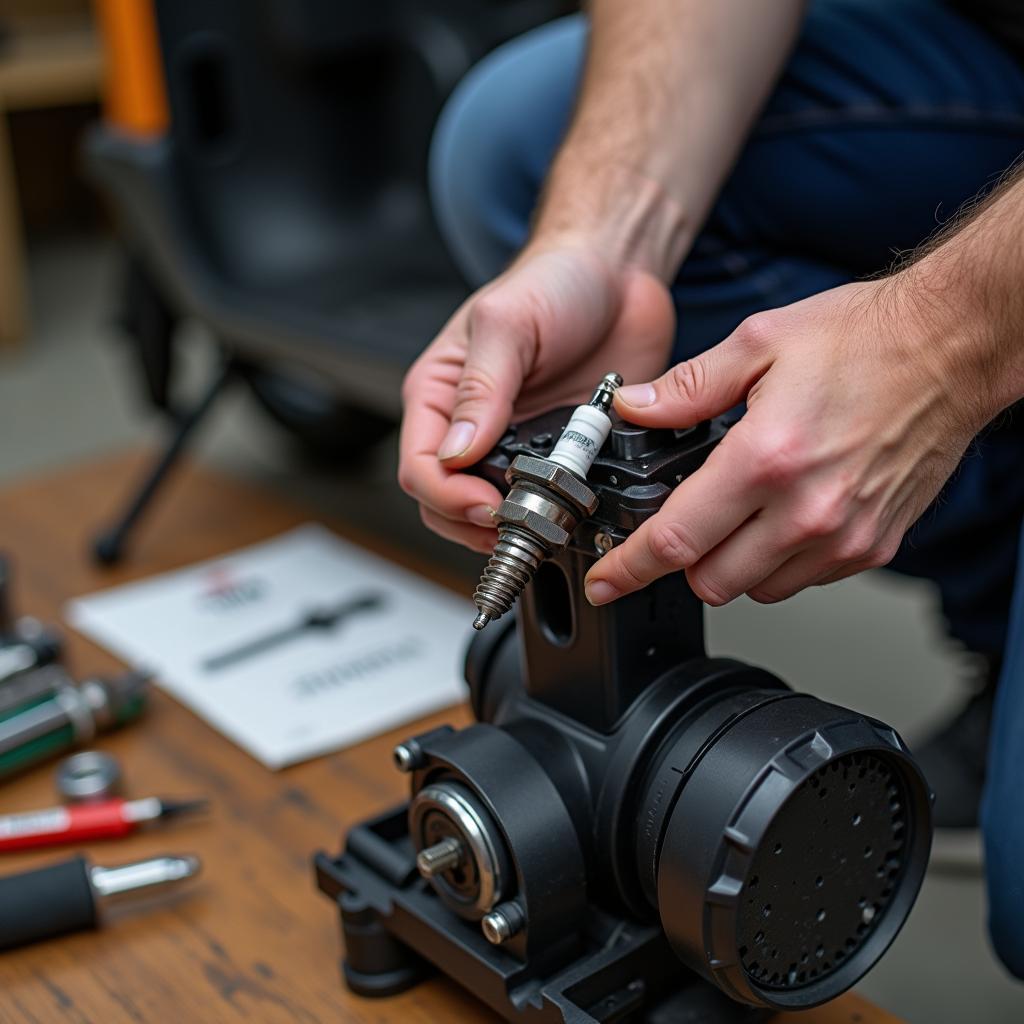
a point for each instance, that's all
(43, 63)
(50, 68)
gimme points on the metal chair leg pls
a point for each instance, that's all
(108, 546)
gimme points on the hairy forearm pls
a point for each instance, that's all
(963, 294)
(670, 90)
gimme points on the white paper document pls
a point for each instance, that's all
(294, 647)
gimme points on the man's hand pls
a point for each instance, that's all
(538, 336)
(857, 413)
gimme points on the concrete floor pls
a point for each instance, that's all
(872, 642)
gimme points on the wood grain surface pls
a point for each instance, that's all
(253, 940)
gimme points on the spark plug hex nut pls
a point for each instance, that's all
(548, 533)
(555, 478)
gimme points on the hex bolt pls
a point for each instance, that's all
(439, 858)
(502, 923)
(408, 756)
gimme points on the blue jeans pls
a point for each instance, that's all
(889, 116)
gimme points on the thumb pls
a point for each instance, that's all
(499, 349)
(699, 388)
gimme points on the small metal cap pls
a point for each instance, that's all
(481, 620)
(88, 775)
(502, 923)
(602, 398)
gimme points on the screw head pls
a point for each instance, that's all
(407, 756)
(496, 927)
(603, 542)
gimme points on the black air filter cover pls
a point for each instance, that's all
(794, 852)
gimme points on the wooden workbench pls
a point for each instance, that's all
(253, 940)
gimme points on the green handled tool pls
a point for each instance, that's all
(32, 687)
(67, 715)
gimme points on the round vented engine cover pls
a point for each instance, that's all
(794, 852)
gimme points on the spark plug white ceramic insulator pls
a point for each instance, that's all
(588, 430)
(581, 440)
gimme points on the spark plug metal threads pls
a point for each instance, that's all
(516, 558)
(547, 501)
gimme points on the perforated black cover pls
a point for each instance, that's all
(794, 851)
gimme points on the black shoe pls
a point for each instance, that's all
(953, 759)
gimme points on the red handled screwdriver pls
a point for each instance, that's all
(79, 823)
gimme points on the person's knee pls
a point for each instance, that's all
(494, 139)
(466, 181)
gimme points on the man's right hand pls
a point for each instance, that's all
(539, 336)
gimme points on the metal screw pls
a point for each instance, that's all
(603, 542)
(439, 858)
(502, 923)
(408, 756)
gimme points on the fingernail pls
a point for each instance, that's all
(637, 395)
(481, 515)
(457, 440)
(599, 591)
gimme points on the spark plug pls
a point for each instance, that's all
(547, 500)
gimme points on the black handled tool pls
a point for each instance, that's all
(72, 895)
(25, 643)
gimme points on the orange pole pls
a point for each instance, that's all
(134, 97)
